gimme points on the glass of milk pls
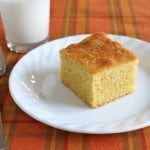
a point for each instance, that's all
(25, 22)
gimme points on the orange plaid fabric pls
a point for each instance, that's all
(69, 17)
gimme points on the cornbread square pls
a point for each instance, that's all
(98, 69)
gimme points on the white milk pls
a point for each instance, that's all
(25, 21)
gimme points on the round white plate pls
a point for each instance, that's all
(36, 88)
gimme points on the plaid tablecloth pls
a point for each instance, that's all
(69, 17)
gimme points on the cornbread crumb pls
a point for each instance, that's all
(98, 69)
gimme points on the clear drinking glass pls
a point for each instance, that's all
(2, 63)
(25, 22)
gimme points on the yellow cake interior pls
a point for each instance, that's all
(98, 69)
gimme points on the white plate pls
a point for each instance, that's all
(35, 87)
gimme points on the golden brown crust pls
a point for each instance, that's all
(97, 52)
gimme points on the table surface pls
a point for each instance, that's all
(70, 17)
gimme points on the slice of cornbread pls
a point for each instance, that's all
(98, 69)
